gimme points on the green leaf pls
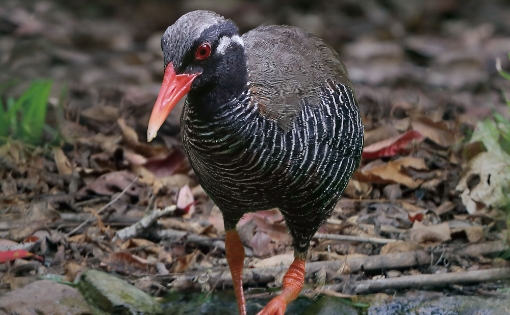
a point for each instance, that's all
(34, 114)
(4, 120)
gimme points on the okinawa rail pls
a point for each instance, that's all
(270, 121)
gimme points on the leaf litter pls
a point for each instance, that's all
(421, 186)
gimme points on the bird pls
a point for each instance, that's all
(270, 121)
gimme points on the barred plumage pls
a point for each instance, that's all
(246, 162)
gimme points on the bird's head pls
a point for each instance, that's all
(203, 55)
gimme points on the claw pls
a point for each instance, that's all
(276, 306)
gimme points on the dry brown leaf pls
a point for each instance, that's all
(181, 225)
(128, 134)
(393, 172)
(411, 208)
(78, 238)
(184, 263)
(73, 270)
(421, 233)
(431, 185)
(165, 257)
(9, 186)
(172, 181)
(380, 133)
(123, 261)
(276, 260)
(145, 177)
(445, 207)
(114, 182)
(101, 113)
(357, 190)
(260, 243)
(62, 162)
(277, 231)
(399, 247)
(143, 244)
(474, 234)
(99, 141)
(438, 132)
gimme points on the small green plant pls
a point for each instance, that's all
(504, 142)
(24, 118)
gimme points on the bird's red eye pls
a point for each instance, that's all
(203, 51)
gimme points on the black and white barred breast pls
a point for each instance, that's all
(246, 161)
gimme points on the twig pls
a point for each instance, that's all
(353, 238)
(102, 209)
(90, 201)
(171, 234)
(143, 225)
(419, 281)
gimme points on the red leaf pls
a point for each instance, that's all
(169, 164)
(31, 239)
(391, 146)
(416, 217)
(10, 255)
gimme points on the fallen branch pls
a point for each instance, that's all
(350, 263)
(353, 238)
(420, 281)
(142, 226)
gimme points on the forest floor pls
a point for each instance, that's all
(424, 206)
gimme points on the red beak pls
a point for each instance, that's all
(174, 88)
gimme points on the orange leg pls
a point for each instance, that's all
(235, 259)
(292, 285)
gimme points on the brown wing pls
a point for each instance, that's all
(288, 69)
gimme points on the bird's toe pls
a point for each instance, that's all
(276, 306)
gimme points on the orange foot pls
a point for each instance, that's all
(292, 285)
(277, 306)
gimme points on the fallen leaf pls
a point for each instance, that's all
(357, 190)
(437, 132)
(171, 163)
(101, 113)
(186, 201)
(393, 172)
(421, 233)
(62, 162)
(390, 147)
(380, 133)
(416, 217)
(124, 261)
(474, 233)
(184, 263)
(484, 182)
(399, 247)
(260, 243)
(143, 244)
(276, 260)
(128, 134)
(113, 182)
(10, 255)
(445, 207)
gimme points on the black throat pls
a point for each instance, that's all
(230, 81)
